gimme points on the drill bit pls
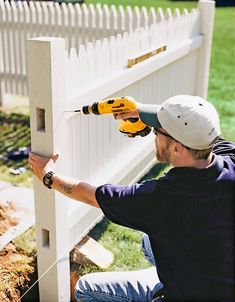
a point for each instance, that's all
(77, 110)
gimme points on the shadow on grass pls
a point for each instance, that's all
(155, 171)
(99, 229)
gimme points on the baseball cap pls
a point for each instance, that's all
(191, 120)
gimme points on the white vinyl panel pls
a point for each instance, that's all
(122, 51)
(83, 72)
(91, 64)
(113, 55)
(84, 134)
(72, 151)
(78, 161)
(73, 70)
(98, 68)
(105, 59)
(92, 149)
(78, 145)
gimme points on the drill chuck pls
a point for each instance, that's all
(91, 109)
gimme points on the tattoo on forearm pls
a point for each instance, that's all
(67, 188)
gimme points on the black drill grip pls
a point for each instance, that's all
(133, 119)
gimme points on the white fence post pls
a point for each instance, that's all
(46, 82)
(207, 10)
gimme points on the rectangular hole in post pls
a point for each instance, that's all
(40, 119)
(45, 238)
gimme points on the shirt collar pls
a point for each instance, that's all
(212, 171)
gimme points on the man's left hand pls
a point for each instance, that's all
(40, 165)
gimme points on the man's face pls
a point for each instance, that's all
(162, 146)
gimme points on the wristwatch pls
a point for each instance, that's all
(47, 179)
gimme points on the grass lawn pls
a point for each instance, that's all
(125, 243)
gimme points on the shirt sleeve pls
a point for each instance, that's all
(224, 147)
(137, 206)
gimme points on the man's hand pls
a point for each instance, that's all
(126, 115)
(40, 165)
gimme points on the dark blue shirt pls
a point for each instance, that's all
(189, 217)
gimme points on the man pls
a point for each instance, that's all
(188, 214)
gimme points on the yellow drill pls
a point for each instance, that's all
(132, 126)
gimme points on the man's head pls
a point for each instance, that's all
(188, 120)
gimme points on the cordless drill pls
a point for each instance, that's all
(132, 126)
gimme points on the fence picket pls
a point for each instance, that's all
(144, 18)
(113, 20)
(136, 17)
(129, 19)
(91, 23)
(121, 18)
(78, 26)
(152, 16)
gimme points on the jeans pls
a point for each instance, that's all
(133, 286)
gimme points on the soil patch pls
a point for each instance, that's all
(7, 219)
(15, 270)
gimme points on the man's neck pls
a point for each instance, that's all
(193, 163)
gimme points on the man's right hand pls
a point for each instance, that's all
(126, 115)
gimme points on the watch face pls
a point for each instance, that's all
(47, 180)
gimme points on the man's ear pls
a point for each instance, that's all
(177, 148)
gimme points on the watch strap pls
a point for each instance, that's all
(47, 179)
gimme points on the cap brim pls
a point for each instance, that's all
(148, 115)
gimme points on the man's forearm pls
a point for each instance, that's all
(76, 190)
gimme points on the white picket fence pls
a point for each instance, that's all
(90, 147)
(78, 24)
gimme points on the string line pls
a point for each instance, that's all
(48, 269)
